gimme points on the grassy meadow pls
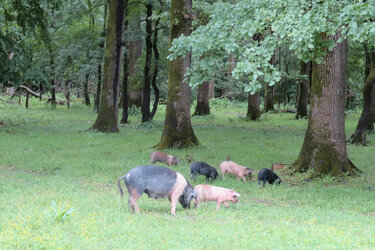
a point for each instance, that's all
(58, 185)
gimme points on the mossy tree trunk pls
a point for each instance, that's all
(253, 107)
(107, 120)
(303, 91)
(203, 104)
(365, 121)
(324, 146)
(146, 115)
(135, 52)
(177, 131)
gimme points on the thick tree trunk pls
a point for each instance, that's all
(303, 91)
(178, 132)
(359, 136)
(253, 107)
(203, 104)
(135, 52)
(156, 68)
(107, 120)
(324, 146)
(146, 115)
(86, 90)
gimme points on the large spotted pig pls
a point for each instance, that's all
(164, 158)
(231, 167)
(157, 182)
(220, 195)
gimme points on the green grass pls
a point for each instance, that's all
(47, 156)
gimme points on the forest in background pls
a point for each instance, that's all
(316, 57)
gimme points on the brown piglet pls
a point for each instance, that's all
(206, 193)
(277, 166)
(161, 157)
(231, 167)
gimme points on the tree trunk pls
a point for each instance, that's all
(107, 120)
(177, 131)
(98, 89)
(67, 92)
(125, 78)
(253, 107)
(101, 45)
(124, 96)
(359, 136)
(41, 91)
(303, 91)
(27, 100)
(324, 146)
(268, 95)
(372, 113)
(146, 115)
(203, 104)
(211, 90)
(135, 52)
(156, 68)
(86, 90)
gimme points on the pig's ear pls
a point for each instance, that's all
(250, 170)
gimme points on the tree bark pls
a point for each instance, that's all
(156, 68)
(211, 90)
(177, 131)
(107, 120)
(146, 115)
(67, 92)
(86, 90)
(125, 79)
(365, 121)
(253, 107)
(135, 52)
(268, 96)
(98, 89)
(303, 91)
(203, 104)
(101, 45)
(324, 146)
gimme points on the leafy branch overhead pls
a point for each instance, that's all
(302, 26)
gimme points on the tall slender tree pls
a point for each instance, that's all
(107, 120)
(146, 115)
(177, 131)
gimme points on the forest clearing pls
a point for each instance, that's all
(193, 124)
(51, 159)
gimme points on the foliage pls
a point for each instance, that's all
(60, 214)
(303, 26)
